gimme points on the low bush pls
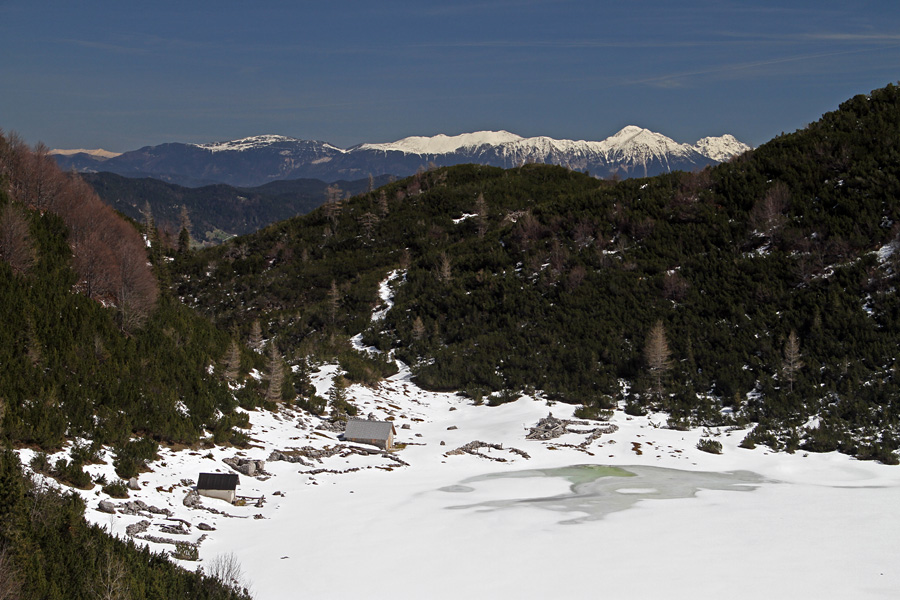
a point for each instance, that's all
(711, 446)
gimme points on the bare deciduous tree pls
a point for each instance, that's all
(658, 356)
(767, 215)
(138, 291)
(113, 581)
(16, 247)
(481, 215)
(383, 208)
(275, 374)
(792, 358)
(231, 362)
(418, 328)
(444, 268)
(255, 339)
(226, 569)
(368, 222)
(10, 583)
(334, 203)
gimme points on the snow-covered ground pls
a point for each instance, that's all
(523, 518)
(780, 525)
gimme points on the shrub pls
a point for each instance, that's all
(117, 489)
(186, 551)
(133, 456)
(592, 412)
(40, 463)
(71, 473)
(711, 446)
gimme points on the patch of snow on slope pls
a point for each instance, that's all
(386, 294)
(885, 252)
(249, 143)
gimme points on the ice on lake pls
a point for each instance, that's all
(594, 491)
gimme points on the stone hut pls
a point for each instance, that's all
(218, 485)
(376, 433)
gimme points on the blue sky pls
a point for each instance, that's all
(122, 75)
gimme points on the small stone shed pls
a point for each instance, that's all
(218, 485)
(377, 433)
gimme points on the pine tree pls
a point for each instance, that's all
(337, 396)
(184, 237)
(657, 356)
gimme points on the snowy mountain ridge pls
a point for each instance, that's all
(631, 152)
(630, 141)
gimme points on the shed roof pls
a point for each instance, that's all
(363, 429)
(217, 481)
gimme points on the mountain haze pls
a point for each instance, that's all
(253, 161)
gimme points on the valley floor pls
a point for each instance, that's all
(743, 524)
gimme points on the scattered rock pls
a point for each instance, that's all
(474, 447)
(336, 426)
(137, 528)
(177, 529)
(192, 500)
(133, 484)
(247, 466)
(107, 507)
(205, 527)
(550, 428)
(404, 426)
(452, 427)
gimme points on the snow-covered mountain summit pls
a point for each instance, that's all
(261, 142)
(443, 144)
(721, 148)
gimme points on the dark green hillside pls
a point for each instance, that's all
(89, 346)
(49, 552)
(761, 277)
(216, 212)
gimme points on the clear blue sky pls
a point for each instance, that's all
(121, 75)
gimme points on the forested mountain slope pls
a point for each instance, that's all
(217, 212)
(759, 290)
(93, 348)
(92, 344)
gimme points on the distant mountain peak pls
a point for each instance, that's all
(248, 143)
(721, 148)
(444, 144)
(97, 153)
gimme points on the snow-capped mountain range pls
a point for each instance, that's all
(631, 152)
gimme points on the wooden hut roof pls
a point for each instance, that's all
(363, 429)
(217, 481)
